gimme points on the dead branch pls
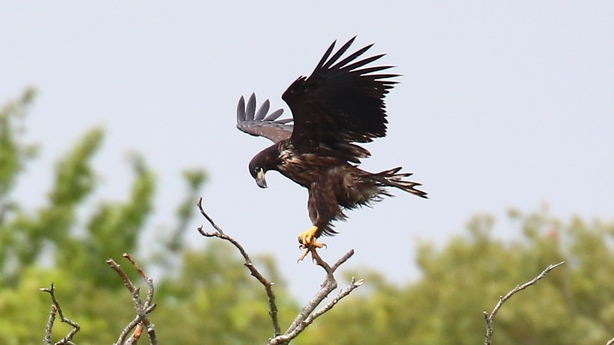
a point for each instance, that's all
(141, 321)
(491, 318)
(307, 314)
(55, 310)
(329, 284)
(268, 286)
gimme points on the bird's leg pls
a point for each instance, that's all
(308, 241)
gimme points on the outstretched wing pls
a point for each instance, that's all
(258, 123)
(339, 103)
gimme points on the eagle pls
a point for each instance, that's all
(339, 106)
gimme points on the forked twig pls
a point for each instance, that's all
(55, 310)
(329, 284)
(141, 321)
(209, 219)
(491, 318)
(307, 314)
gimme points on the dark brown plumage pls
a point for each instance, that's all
(340, 104)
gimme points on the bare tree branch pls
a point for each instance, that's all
(491, 318)
(134, 324)
(49, 327)
(134, 339)
(327, 287)
(610, 342)
(202, 211)
(56, 309)
(268, 286)
(306, 318)
(141, 321)
(149, 281)
(307, 314)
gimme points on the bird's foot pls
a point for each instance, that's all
(308, 242)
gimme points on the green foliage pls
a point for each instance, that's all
(54, 233)
(13, 152)
(112, 229)
(574, 304)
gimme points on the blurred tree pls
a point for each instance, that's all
(205, 295)
(112, 228)
(573, 304)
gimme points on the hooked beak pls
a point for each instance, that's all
(260, 180)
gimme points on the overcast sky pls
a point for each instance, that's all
(501, 104)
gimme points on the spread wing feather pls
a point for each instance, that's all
(258, 123)
(339, 103)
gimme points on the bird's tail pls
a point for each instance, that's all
(393, 178)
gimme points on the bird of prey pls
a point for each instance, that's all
(340, 105)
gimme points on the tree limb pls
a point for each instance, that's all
(268, 286)
(141, 321)
(56, 309)
(306, 317)
(491, 318)
(307, 314)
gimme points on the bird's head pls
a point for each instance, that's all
(266, 160)
(257, 172)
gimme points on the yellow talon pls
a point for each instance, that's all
(308, 238)
(308, 242)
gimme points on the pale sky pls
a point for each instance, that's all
(501, 104)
